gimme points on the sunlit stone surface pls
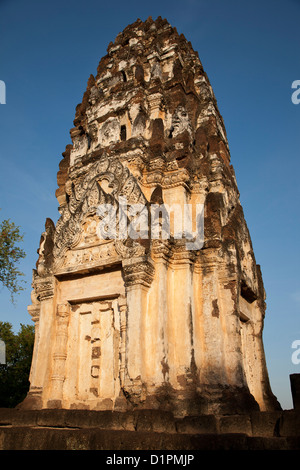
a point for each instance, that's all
(148, 322)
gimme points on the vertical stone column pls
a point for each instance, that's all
(120, 403)
(106, 365)
(34, 397)
(197, 318)
(198, 195)
(138, 276)
(179, 325)
(155, 100)
(156, 320)
(228, 304)
(59, 356)
(34, 311)
(213, 368)
(123, 312)
(41, 311)
(95, 351)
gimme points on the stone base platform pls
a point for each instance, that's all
(146, 430)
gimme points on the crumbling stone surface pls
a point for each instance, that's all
(148, 323)
(18, 438)
(146, 430)
(266, 424)
(259, 424)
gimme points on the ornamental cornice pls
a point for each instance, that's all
(138, 271)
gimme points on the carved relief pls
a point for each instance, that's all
(106, 181)
(45, 258)
(100, 348)
(138, 271)
(90, 256)
(180, 122)
(44, 287)
(167, 179)
(110, 132)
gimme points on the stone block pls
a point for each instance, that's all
(113, 420)
(235, 424)
(205, 424)
(51, 418)
(18, 438)
(125, 421)
(99, 419)
(24, 417)
(121, 404)
(267, 443)
(289, 423)
(265, 423)
(293, 442)
(154, 421)
(6, 416)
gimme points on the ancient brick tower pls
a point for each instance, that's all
(148, 322)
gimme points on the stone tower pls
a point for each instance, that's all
(148, 322)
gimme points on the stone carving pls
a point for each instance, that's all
(138, 271)
(44, 287)
(139, 124)
(110, 131)
(45, 258)
(89, 256)
(86, 197)
(156, 71)
(180, 122)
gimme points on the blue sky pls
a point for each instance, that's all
(250, 51)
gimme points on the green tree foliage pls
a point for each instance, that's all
(10, 255)
(14, 375)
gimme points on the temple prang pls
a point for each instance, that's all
(128, 324)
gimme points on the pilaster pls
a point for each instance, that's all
(59, 355)
(138, 276)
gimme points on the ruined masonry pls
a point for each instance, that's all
(130, 324)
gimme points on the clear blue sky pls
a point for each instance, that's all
(250, 51)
